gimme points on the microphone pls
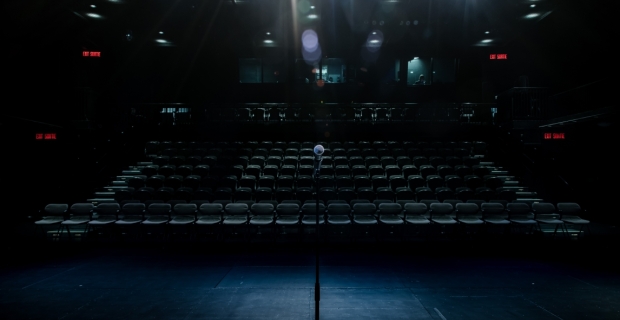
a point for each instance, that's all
(318, 158)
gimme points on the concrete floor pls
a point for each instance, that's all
(516, 278)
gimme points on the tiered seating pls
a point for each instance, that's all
(457, 176)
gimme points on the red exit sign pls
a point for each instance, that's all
(45, 136)
(498, 56)
(96, 54)
(553, 136)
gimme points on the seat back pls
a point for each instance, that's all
(467, 211)
(338, 209)
(415, 209)
(185, 209)
(441, 209)
(364, 209)
(210, 209)
(159, 209)
(390, 209)
(82, 210)
(264, 209)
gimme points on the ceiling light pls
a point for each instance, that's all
(486, 32)
(532, 15)
(374, 41)
(312, 16)
(374, 32)
(486, 41)
(93, 6)
(268, 41)
(416, 58)
(268, 33)
(533, 6)
(93, 15)
(161, 32)
(311, 7)
(161, 41)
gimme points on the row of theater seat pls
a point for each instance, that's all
(340, 172)
(291, 152)
(327, 161)
(154, 147)
(335, 213)
(306, 193)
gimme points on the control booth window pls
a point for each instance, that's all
(334, 70)
(443, 70)
(250, 71)
(418, 71)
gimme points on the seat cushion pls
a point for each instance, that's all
(391, 219)
(180, 220)
(287, 220)
(575, 220)
(339, 219)
(523, 221)
(550, 221)
(310, 220)
(261, 220)
(365, 220)
(128, 221)
(101, 221)
(208, 220)
(444, 220)
(497, 221)
(235, 220)
(51, 220)
(417, 220)
(471, 221)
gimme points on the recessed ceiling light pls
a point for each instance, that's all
(93, 6)
(268, 41)
(486, 40)
(416, 58)
(374, 32)
(532, 15)
(311, 7)
(161, 41)
(161, 32)
(313, 16)
(486, 32)
(533, 6)
(93, 15)
(268, 33)
(374, 41)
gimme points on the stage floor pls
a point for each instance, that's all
(531, 279)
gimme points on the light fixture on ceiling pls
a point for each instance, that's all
(486, 41)
(312, 16)
(311, 7)
(94, 15)
(268, 33)
(487, 32)
(374, 32)
(161, 41)
(533, 6)
(532, 15)
(268, 41)
(374, 41)
(416, 58)
(161, 32)
(93, 6)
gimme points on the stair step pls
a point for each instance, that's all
(104, 194)
(529, 194)
(516, 188)
(96, 201)
(113, 188)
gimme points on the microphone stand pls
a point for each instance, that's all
(317, 287)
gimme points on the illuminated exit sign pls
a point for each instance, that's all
(45, 136)
(553, 136)
(95, 54)
(498, 56)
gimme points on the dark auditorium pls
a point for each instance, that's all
(309, 159)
